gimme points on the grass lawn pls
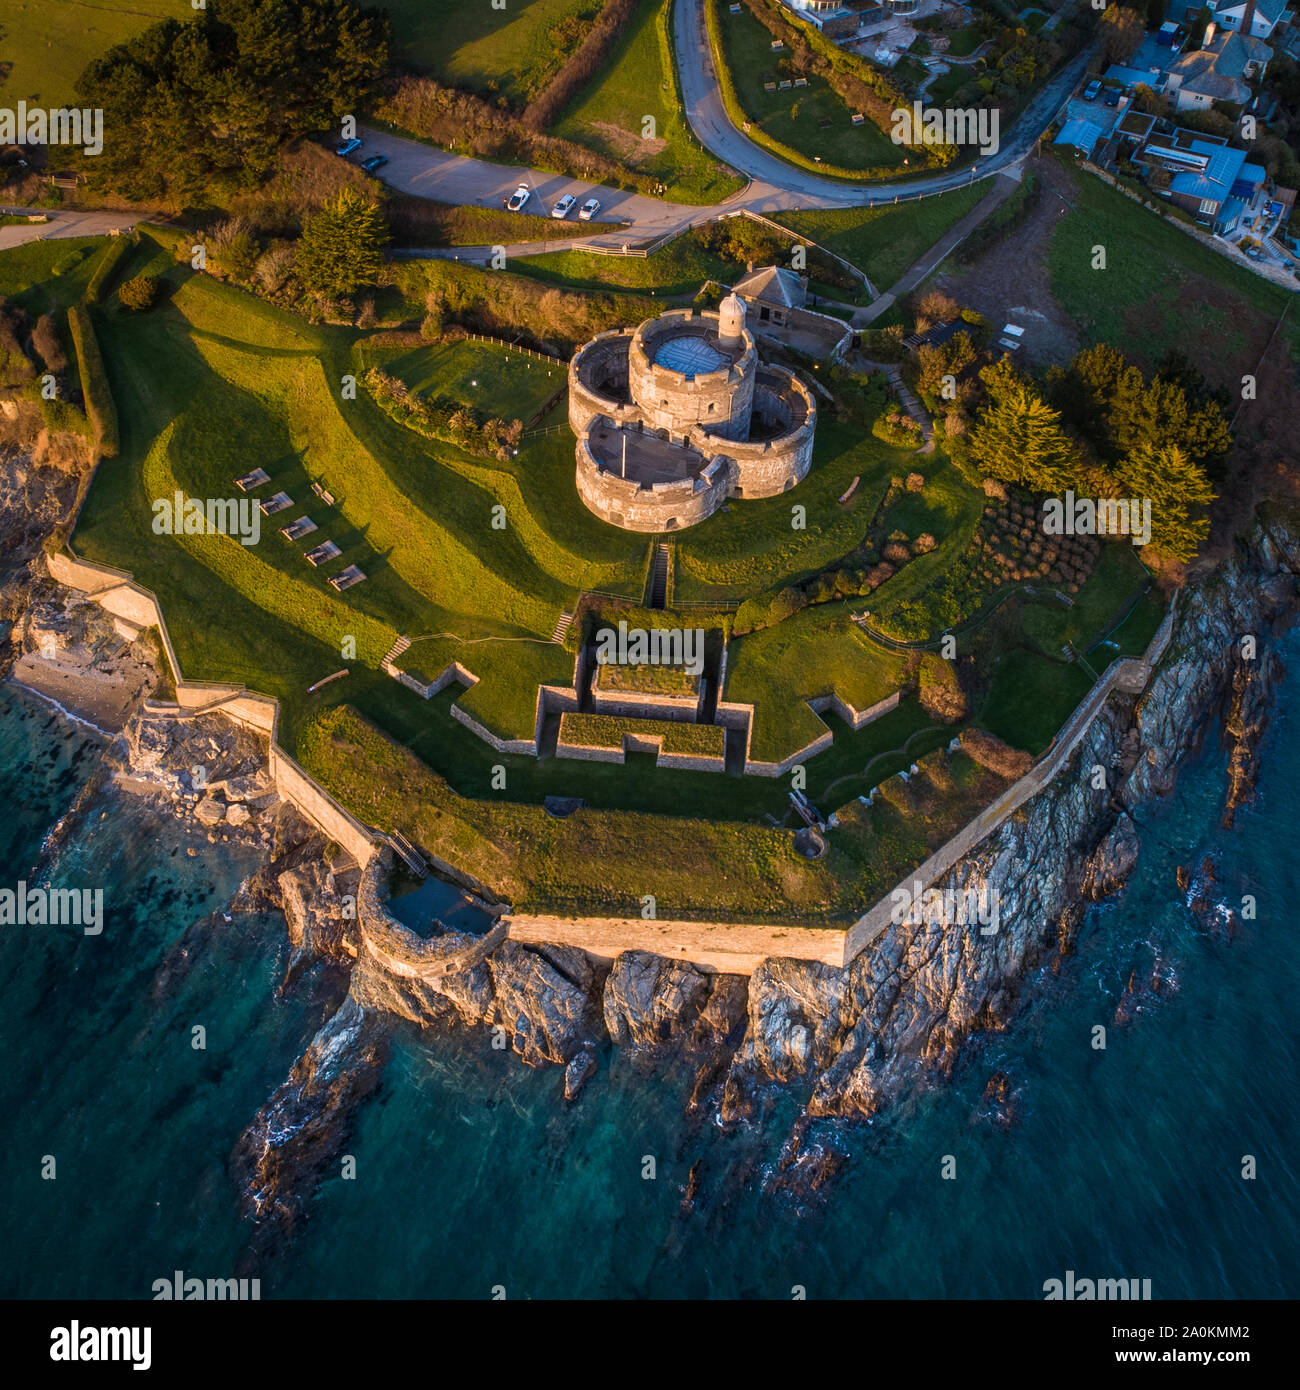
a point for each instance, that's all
(1031, 697)
(754, 546)
(214, 383)
(423, 222)
(965, 41)
(812, 119)
(679, 268)
(49, 42)
(512, 52)
(884, 241)
(1160, 286)
(1111, 590)
(492, 379)
(637, 81)
(817, 652)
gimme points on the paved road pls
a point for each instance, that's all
(774, 186)
(64, 224)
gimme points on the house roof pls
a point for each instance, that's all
(1268, 9)
(1220, 173)
(1217, 69)
(1080, 133)
(773, 284)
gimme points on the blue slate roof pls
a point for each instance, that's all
(1083, 135)
(1219, 175)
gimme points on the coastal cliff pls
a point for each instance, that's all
(846, 1043)
(849, 1042)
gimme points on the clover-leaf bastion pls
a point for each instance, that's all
(678, 415)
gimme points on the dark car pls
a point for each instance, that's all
(376, 161)
(1112, 96)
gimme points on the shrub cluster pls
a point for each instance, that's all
(441, 418)
(140, 292)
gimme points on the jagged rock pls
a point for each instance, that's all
(238, 815)
(578, 1072)
(649, 999)
(250, 787)
(300, 1130)
(209, 811)
(1112, 861)
(545, 1013)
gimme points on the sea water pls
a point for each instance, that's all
(472, 1174)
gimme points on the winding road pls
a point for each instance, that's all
(774, 185)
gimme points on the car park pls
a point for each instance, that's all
(519, 198)
(589, 209)
(347, 147)
(561, 209)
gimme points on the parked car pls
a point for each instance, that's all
(348, 146)
(376, 161)
(1090, 92)
(519, 198)
(589, 209)
(1112, 97)
(561, 209)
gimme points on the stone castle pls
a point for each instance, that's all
(678, 415)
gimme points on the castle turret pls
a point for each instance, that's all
(731, 322)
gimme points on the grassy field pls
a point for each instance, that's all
(638, 81)
(679, 268)
(1160, 287)
(812, 119)
(884, 241)
(817, 652)
(422, 222)
(492, 379)
(511, 52)
(754, 547)
(49, 42)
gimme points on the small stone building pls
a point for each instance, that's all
(678, 415)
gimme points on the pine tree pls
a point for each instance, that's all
(1178, 490)
(341, 248)
(1019, 437)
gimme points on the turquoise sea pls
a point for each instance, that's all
(473, 1174)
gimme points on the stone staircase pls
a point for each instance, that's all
(658, 588)
(389, 662)
(562, 624)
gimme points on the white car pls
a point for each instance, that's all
(589, 209)
(519, 198)
(561, 209)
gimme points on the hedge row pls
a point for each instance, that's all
(94, 381)
(110, 259)
(548, 106)
(607, 731)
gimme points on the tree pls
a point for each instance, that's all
(1177, 489)
(1018, 437)
(341, 248)
(1122, 32)
(1108, 401)
(210, 100)
(140, 292)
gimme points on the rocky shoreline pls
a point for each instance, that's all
(845, 1043)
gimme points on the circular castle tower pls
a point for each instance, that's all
(679, 414)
